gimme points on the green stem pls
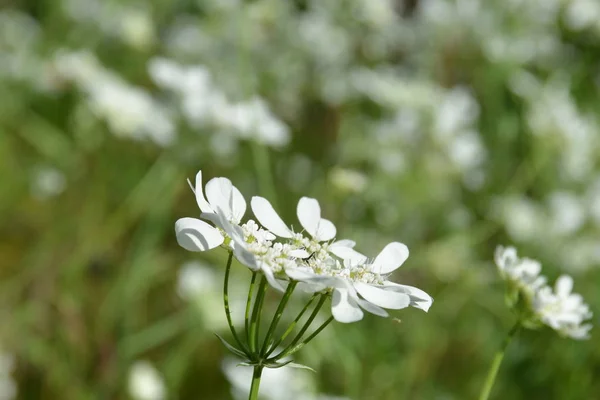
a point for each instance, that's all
(226, 303)
(493, 372)
(298, 336)
(262, 164)
(255, 383)
(278, 314)
(256, 313)
(292, 326)
(248, 304)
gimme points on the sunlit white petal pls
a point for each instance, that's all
(344, 308)
(391, 257)
(268, 217)
(381, 297)
(195, 235)
(309, 215)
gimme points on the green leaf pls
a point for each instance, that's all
(231, 348)
(301, 366)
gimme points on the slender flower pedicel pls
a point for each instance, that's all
(285, 259)
(536, 304)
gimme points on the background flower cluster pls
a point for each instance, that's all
(450, 125)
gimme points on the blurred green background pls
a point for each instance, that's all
(450, 125)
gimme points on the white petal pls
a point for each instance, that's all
(343, 243)
(348, 254)
(391, 257)
(222, 194)
(381, 297)
(372, 308)
(309, 215)
(271, 278)
(418, 298)
(268, 217)
(244, 256)
(299, 253)
(344, 308)
(202, 203)
(325, 230)
(301, 275)
(196, 235)
(564, 285)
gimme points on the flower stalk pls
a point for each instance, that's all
(498, 357)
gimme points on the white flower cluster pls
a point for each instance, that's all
(128, 110)
(311, 257)
(206, 105)
(537, 302)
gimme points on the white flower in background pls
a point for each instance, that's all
(582, 14)
(47, 182)
(8, 387)
(199, 284)
(145, 382)
(348, 180)
(563, 310)
(276, 383)
(560, 309)
(129, 111)
(206, 106)
(522, 273)
(567, 213)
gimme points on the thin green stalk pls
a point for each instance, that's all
(256, 313)
(226, 303)
(493, 372)
(278, 314)
(298, 336)
(262, 164)
(248, 305)
(292, 325)
(255, 383)
(318, 330)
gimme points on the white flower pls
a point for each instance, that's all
(363, 285)
(48, 182)
(225, 206)
(145, 382)
(276, 383)
(523, 273)
(563, 310)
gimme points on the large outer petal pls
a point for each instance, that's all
(383, 298)
(222, 194)
(347, 253)
(271, 278)
(391, 257)
(325, 230)
(198, 191)
(309, 214)
(196, 235)
(372, 308)
(268, 217)
(344, 308)
(418, 298)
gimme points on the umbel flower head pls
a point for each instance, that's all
(538, 304)
(311, 257)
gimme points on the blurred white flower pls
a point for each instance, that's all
(581, 14)
(205, 105)
(567, 213)
(348, 180)
(47, 182)
(137, 28)
(522, 273)
(276, 383)
(145, 382)
(128, 110)
(8, 387)
(563, 310)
